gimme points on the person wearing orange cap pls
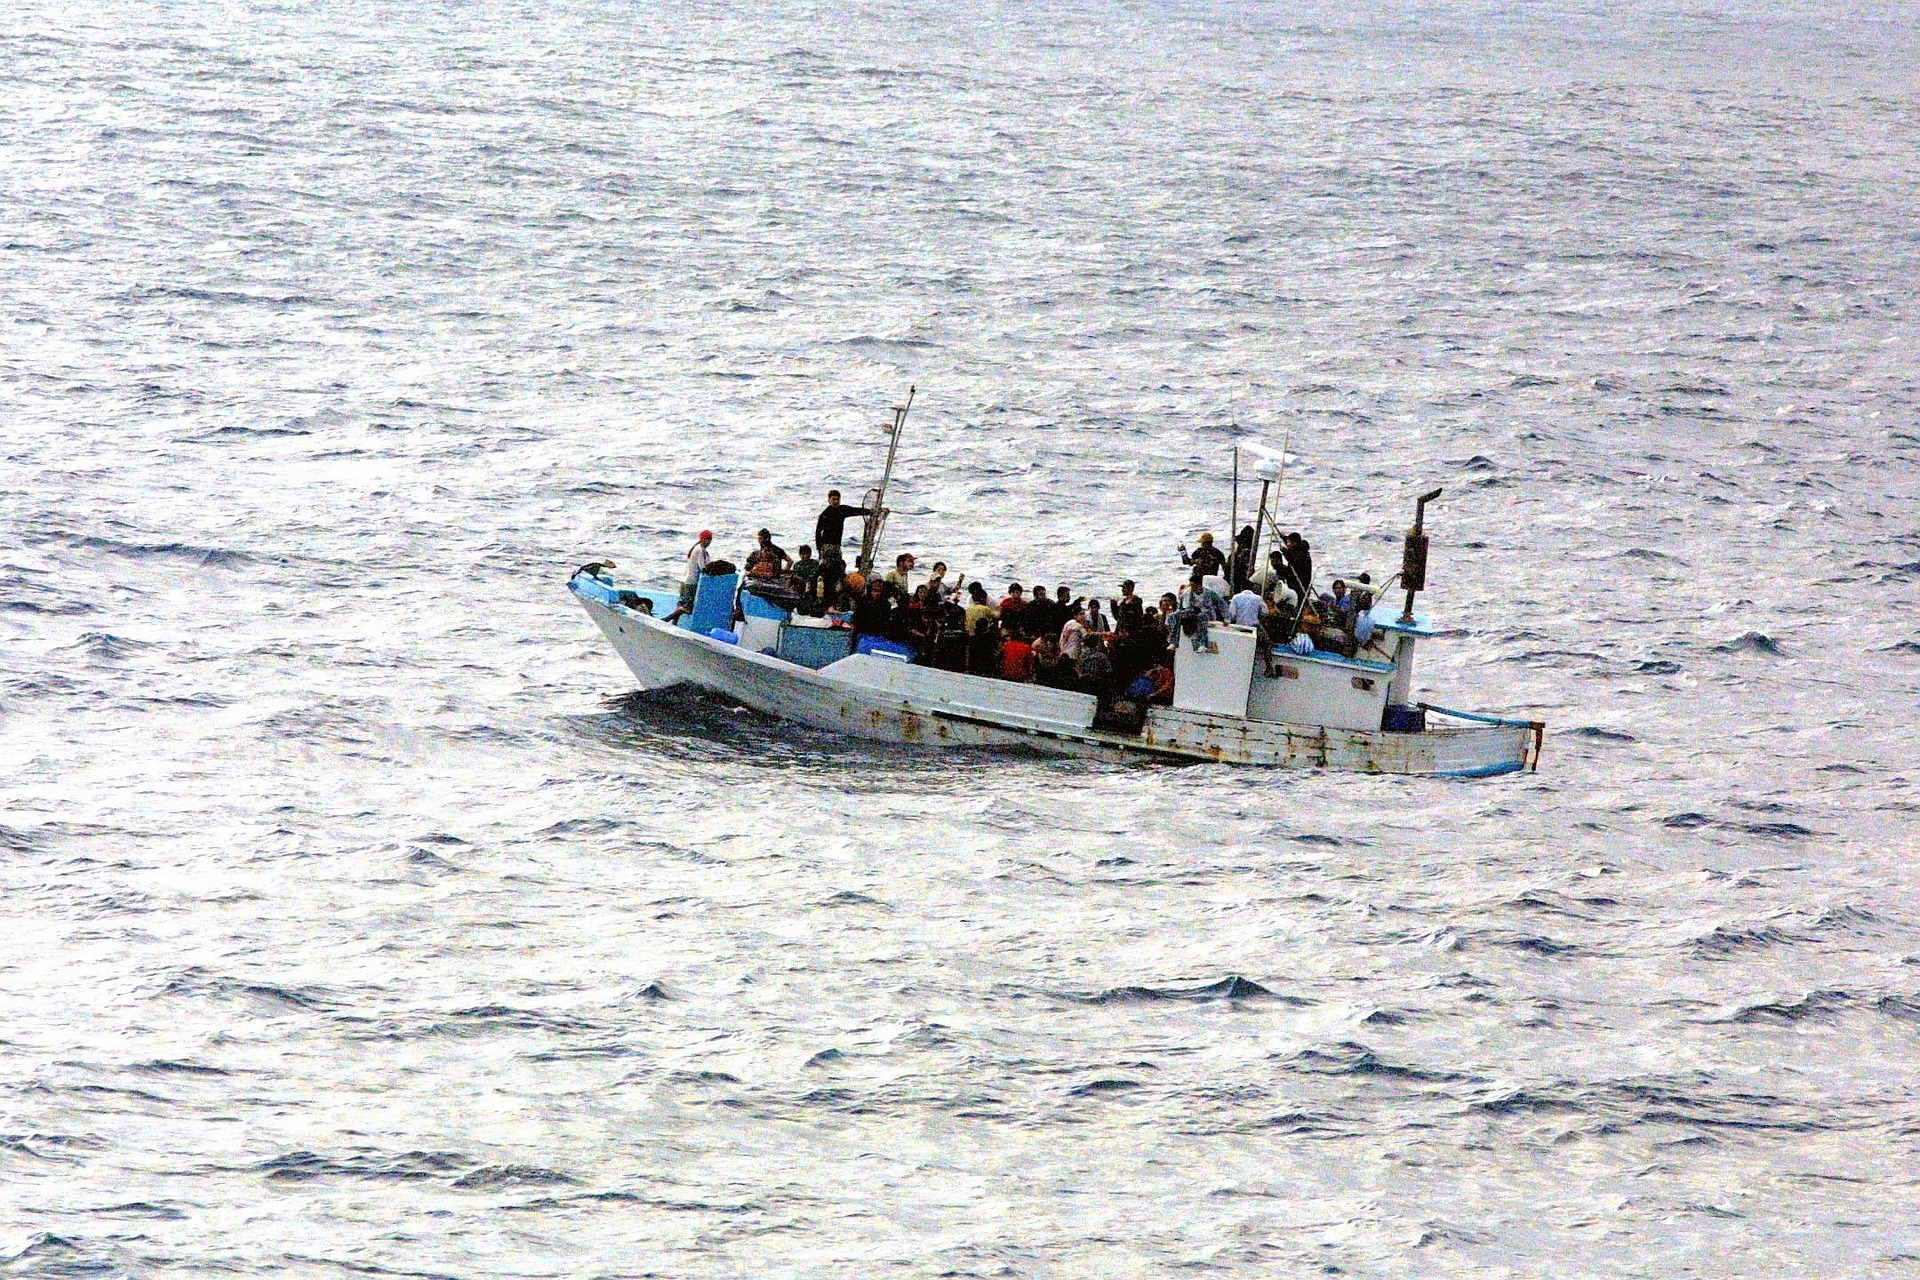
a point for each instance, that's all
(1206, 557)
(697, 557)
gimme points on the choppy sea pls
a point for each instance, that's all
(360, 919)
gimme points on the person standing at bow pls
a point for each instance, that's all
(697, 557)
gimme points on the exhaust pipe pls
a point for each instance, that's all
(1413, 554)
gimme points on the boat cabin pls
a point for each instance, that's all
(1240, 679)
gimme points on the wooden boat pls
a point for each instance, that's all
(1235, 702)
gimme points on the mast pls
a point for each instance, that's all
(1233, 522)
(876, 522)
(1266, 521)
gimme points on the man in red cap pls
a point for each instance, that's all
(697, 556)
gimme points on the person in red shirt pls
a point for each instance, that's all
(1016, 657)
(1011, 605)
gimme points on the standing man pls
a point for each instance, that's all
(1200, 605)
(1206, 557)
(1073, 638)
(1299, 555)
(697, 556)
(1041, 617)
(827, 533)
(1245, 608)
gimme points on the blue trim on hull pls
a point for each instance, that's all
(1483, 719)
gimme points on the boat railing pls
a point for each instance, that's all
(1539, 727)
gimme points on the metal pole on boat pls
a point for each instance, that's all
(1233, 522)
(1280, 480)
(1259, 526)
(870, 544)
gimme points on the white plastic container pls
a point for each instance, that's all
(1214, 682)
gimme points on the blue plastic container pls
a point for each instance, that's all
(724, 636)
(1404, 719)
(880, 648)
(814, 647)
(713, 603)
(754, 607)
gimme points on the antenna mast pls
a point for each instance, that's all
(877, 498)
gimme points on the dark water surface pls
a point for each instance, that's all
(360, 920)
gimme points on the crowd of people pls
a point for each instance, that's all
(1119, 648)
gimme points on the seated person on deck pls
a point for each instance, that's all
(1200, 605)
(805, 576)
(766, 560)
(899, 577)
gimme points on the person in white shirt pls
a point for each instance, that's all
(697, 557)
(1244, 609)
(1073, 638)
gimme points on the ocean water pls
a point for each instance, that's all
(361, 919)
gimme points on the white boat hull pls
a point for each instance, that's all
(661, 655)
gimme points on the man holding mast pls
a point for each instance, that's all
(828, 530)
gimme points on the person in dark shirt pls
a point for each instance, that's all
(1096, 672)
(1050, 667)
(830, 527)
(1206, 557)
(1129, 611)
(983, 649)
(950, 636)
(1039, 612)
(1299, 555)
(873, 611)
(1242, 563)
(917, 623)
(767, 559)
(806, 579)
